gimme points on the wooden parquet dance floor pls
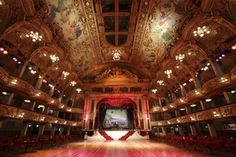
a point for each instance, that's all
(142, 148)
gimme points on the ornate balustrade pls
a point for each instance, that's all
(18, 113)
(217, 83)
(210, 114)
(23, 87)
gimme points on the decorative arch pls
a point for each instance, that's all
(116, 102)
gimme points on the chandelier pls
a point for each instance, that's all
(180, 57)
(154, 91)
(78, 90)
(54, 58)
(65, 74)
(234, 47)
(35, 36)
(161, 82)
(168, 72)
(73, 83)
(201, 31)
(116, 54)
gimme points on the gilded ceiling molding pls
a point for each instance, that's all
(28, 7)
(41, 56)
(206, 5)
(202, 19)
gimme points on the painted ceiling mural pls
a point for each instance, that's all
(161, 30)
(70, 17)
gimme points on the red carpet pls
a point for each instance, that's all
(104, 134)
(125, 137)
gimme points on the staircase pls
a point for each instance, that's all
(104, 134)
(126, 136)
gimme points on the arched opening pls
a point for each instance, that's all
(116, 114)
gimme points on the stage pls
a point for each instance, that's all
(139, 148)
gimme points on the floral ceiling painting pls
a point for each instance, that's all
(69, 16)
(164, 20)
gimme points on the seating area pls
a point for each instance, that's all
(30, 143)
(201, 143)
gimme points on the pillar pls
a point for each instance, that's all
(193, 129)
(53, 130)
(163, 130)
(177, 114)
(183, 91)
(159, 100)
(181, 130)
(203, 107)
(216, 68)
(24, 130)
(94, 113)
(68, 131)
(41, 129)
(226, 96)
(211, 129)
(188, 110)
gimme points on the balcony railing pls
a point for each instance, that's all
(18, 113)
(18, 85)
(210, 114)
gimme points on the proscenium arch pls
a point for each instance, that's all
(122, 101)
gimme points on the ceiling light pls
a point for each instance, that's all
(234, 47)
(233, 91)
(50, 85)
(168, 72)
(35, 36)
(45, 55)
(54, 58)
(182, 109)
(223, 79)
(37, 126)
(27, 101)
(5, 52)
(116, 54)
(1, 2)
(14, 81)
(154, 91)
(29, 125)
(78, 90)
(4, 93)
(65, 74)
(180, 57)
(73, 83)
(161, 82)
(208, 100)
(193, 105)
(201, 31)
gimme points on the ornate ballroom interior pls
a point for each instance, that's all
(122, 78)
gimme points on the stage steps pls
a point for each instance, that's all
(105, 135)
(126, 136)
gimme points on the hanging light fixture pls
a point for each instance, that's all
(65, 74)
(78, 90)
(54, 58)
(168, 72)
(116, 54)
(201, 31)
(73, 83)
(161, 82)
(180, 57)
(35, 36)
(154, 91)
